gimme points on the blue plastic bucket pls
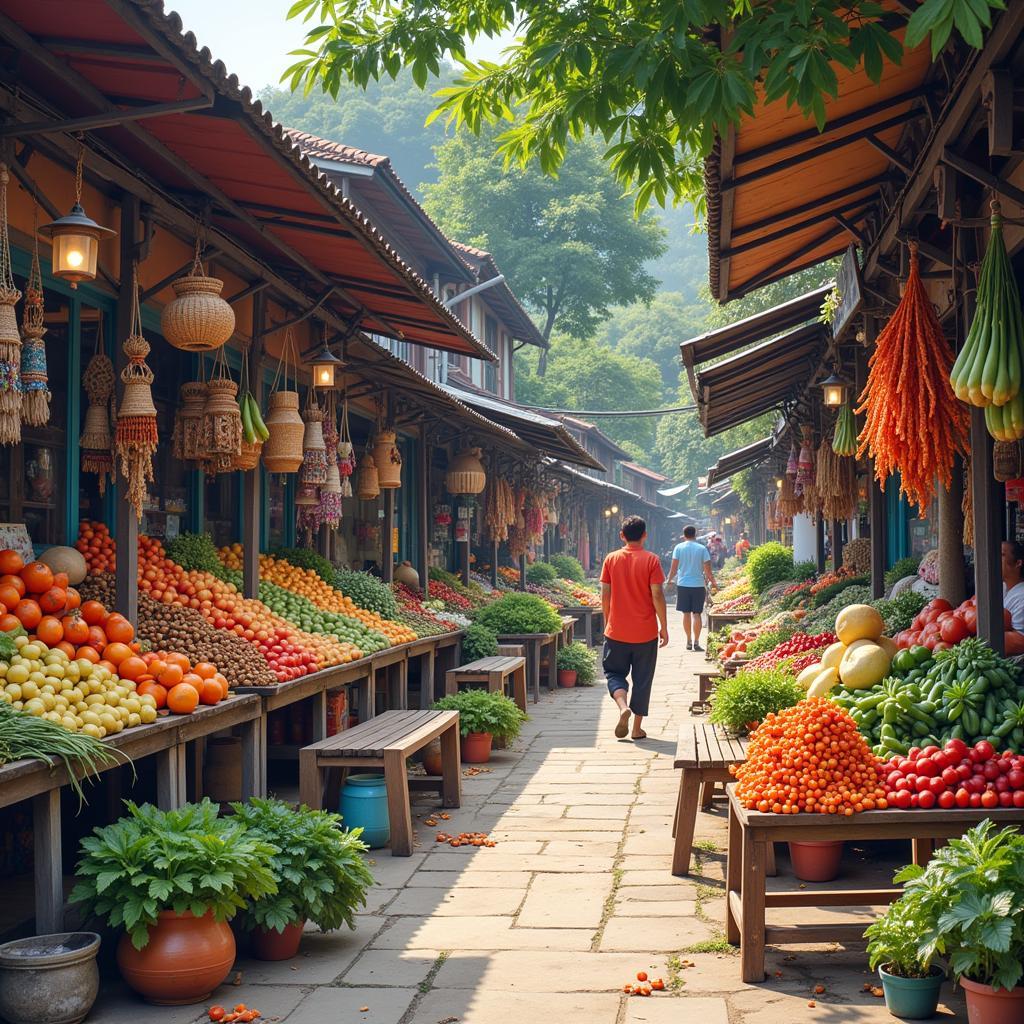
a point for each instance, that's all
(364, 804)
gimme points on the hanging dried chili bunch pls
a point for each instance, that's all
(35, 382)
(10, 337)
(136, 437)
(914, 424)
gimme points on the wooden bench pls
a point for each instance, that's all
(706, 683)
(385, 742)
(535, 645)
(496, 672)
(704, 753)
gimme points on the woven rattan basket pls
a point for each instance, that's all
(249, 456)
(466, 473)
(197, 319)
(388, 460)
(1006, 460)
(96, 435)
(282, 452)
(367, 482)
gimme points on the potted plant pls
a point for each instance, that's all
(483, 716)
(479, 642)
(518, 614)
(911, 983)
(320, 875)
(968, 905)
(576, 664)
(172, 880)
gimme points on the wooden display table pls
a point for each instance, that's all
(534, 645)
(495, 673)
(704, 753)
(167, 740)
(706, 683)
(584, 616)
(568, 627)
(751, 832)
(716, 620)
(385, 743)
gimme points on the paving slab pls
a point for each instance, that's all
(117, 1004)
(450, 879)
(654, 933)
(321, 959)
(565, 901)
(388, 968)
(491, 1006)
(478, 933)
(461, 902)
(667, 1009)
(365, 1005)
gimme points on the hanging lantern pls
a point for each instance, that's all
(367, 483)
(96, 442)
(136, 436)
(197, 319)
(323, 366)
(75, 239)
(388, 460)
(35, 401)
(466, 473)
(833, 391)
(188, 422)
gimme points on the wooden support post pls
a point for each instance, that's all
(423, 508)
(387, 557)
(522, 572)
(819, 544)
(951, 537)
(988, 534)
(49, 872)
(494, 563)
(252, 497)
(837, 543)
(464, 561)
(127, 524)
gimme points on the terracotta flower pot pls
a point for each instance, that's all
(432, 758)
(476, 747)
(268, 944)
(987, 1005)
(816, 862)
(567, 677)
(185, 959)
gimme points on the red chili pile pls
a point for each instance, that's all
(955, 776)
(442, 592)
(797, 644)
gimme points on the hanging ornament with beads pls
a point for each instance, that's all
(136, 436)
(35, 400)
(10, 337)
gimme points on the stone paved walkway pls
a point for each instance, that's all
(575, 899)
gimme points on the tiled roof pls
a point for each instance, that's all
(317, 148)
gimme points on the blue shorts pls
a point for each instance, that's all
(690, 599)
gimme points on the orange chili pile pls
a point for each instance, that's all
(810, 758)
(914, 424)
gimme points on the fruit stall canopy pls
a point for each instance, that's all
(782, 196)
(547, 436)
(742, 458)
(161, 108)
(773, 375)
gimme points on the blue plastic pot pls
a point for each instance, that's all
(364, 804)
(912, 998)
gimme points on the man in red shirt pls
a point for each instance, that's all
(636, 624)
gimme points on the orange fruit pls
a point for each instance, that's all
(183, 699)
(170, 674)
(191, 679)
(211, 692)
(131, 668)
(204, 670)
(115, 653)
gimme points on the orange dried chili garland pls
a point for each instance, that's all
(914, 425)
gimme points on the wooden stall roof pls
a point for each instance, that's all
(548, 436)
(769, 376)
(740, 459)
(209, 146)
(598, 486)
(783, 196)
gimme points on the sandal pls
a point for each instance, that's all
(639, 736)
(623, 726)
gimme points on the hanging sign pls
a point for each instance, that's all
(849, 292)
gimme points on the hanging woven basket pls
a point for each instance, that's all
(388, 460)
(249, 456)
(367, 479)
(1006, 460)
(282, 452)
(333, 483)
(222, 425)
(314, 449)
(188, 422)
(197, 319)
(466, 473)
(96, 434)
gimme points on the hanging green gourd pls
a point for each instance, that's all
(35, 401)
(844, 438)
(988, 369)
(10, 337)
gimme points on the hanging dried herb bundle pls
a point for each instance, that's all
(35, 382)
(136, 436)
(790, 503)
(914, 424)
(837, 484)
(499, 507)
(10, 337)
(967, 504)
(97, 441)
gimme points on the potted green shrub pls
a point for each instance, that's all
(480, 641)
(517, 614)
(320, 875)
(576, 664)
(172, 880)
(968, 905)
(911, 983)
(483, 716)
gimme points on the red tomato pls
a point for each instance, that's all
(963, 797)
(970, 617)
(939, 604)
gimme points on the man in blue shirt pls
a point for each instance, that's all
(691, 569)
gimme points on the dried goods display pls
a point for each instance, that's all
(10, 337)
(836, 483)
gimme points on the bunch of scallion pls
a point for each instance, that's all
(28, 736)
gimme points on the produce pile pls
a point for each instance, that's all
(356, 638)
(735, 604)
(416, 615)
(366, 591)
(810, 758)
(797, 646)
(96, 544)
(939, 625)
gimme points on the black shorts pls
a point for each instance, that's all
(690, 599)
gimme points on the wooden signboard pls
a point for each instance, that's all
(848, 286)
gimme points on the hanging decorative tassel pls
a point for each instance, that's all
(96, 442)
(10, 338)
(793, 464)
(35, 401)
(136, 436)
(346, 454)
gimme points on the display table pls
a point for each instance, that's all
(751, 832)
(166, 739)
(568, 626)
(584, 616)
(716, 620)
(534, 645)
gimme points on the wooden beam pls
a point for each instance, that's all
(849, 226)
(126, 575)
(854, 206)
(108, 119)
(804, 250)
(983, 177)
(888, 152)
(932, 252)
(997, 99)
(208, 253)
